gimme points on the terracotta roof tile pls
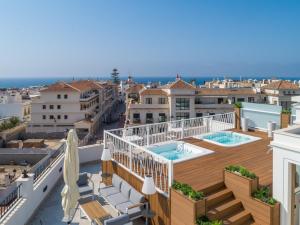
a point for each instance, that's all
(60, 86)
(135, 88)
(281, 85)
(153, 91)
(180, 84)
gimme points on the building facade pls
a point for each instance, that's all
(180, 100)
(81, 105)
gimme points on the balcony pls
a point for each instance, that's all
(136, 120)
(149, 120)
(214, 106)
(148, 106)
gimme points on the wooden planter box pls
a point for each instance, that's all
(285, 120)
(264, 213)
(185, 210)
(237, 118)
(241, 186)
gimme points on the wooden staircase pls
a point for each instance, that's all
(222, 205)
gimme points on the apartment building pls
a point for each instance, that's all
(180, 99)
(82, 105)
(281, 93)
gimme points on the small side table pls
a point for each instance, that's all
(148, 214)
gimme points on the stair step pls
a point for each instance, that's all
(225, 209)
(218, 197)
(242, 218)
(213, 188)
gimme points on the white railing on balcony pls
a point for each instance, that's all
(128, 146)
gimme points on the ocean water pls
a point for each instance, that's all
(27, 82)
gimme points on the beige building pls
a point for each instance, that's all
(81, 105)
(182, 100)
(281, 93)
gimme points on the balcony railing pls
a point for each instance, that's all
(10, 200)
(42, 167)
(128, 146)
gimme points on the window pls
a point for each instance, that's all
(211, 114)
(58, 117)
(162, 101)
(182, 103)
(148, 100)
(250, 99)
(44, 106)
(51, 107)
(136, 118)
(220, 100)
(162, 117)
(149, 118)
(65, 96)
(51, 117)
(58, 106)
(197, 100)
(65, 117)
(199, 114)
(44, 117)
(58, 96)
(240, 100)
(182, 115)
(233, 99)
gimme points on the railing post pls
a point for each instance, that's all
(170, 174)
(182, 128)
(130, 158)
(148, 137)
(104, 139)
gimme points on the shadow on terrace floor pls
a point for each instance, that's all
(50, 212)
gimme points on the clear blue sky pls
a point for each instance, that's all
(142, 37)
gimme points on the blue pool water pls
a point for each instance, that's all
(227, 138)
(171, 151)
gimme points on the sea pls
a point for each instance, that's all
(41, 81)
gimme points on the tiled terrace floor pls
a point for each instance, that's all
(51, 213)
(208, 170)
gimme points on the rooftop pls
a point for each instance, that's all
(281, 85)
(208, 170)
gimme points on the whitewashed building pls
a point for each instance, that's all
(11, 104)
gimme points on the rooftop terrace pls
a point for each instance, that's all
(208, 170)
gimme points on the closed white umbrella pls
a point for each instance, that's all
(70, 193)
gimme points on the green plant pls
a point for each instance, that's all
(8, 124)
(238, 105)
(264, 194)
(241, 170)
(187, 190)
(203, 220)
(286, 111)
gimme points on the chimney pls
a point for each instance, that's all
(178, 77)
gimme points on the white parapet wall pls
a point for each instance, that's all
(33, 194)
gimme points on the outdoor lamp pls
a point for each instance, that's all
(148, 189)
(148, 185)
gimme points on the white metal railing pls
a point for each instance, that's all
(128, 146)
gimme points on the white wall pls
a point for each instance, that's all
(286, 151)
(34, 194)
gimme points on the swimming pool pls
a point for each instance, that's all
(178, 151)
(228, 138)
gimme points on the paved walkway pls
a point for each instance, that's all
(50, 212)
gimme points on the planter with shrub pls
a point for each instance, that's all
(187, 204)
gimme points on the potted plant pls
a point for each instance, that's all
(186, 203)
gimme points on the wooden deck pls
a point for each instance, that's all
(208, 170)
